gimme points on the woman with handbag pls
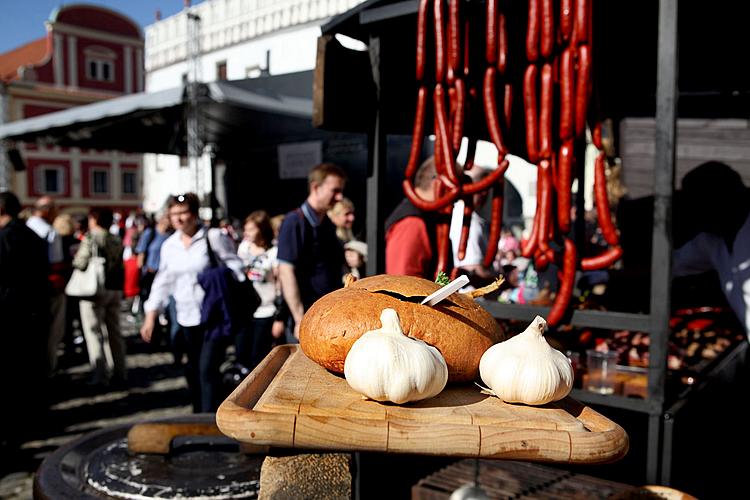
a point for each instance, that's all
(258, 254)
(100, 313)
(184, 256)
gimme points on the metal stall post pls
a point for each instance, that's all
(376, 174)
(661, 251)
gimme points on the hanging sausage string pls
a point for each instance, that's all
(472, 96)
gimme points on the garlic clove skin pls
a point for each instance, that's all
(386, 365)
(526, 369)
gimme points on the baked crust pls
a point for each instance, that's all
(458, 327)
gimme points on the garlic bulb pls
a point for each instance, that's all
(525, 369)
(386, 365)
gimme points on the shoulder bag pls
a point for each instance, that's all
(85, 284)
(243, 299)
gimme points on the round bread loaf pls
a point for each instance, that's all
(457, 326)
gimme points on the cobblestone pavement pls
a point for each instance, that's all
(156, 389)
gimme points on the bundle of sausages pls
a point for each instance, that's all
(557, 85)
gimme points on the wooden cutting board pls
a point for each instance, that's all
(290, 401)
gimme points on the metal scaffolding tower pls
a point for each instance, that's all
(194, 126)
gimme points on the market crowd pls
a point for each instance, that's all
(183, 278)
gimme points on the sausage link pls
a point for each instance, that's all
(447, 165)
(467, 39)
(603, 260)
(564, 177)
(542, 259)
(429, 206)
(421, 37)
(602, 202)
(532, 31)
(544, 204)
(566, 19)
(417, 134)
(567, 86)
(491, 32)
(565, 292)
(490, 110)
(596, 135)
(457, 129)
(454, 38)
(439, 41)
(496, 222)
(502, 43)
(528, 248)
(488, 180)
(545, 112)
(581, 21)
(547, 15)
(529, 100)
(465, 227)
(583, 88)
(508, 104)
(441, 234)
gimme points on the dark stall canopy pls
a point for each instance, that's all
(713, 80)
(233, 115)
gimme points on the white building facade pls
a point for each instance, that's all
(238, 39)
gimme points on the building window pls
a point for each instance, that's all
(102, 71)
(99, 181)
(221, 71)
(100, 64)
(50, 180)
(129, 183)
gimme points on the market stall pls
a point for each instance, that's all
(636, 59)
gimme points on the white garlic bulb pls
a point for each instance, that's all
(386, 365)
(525, 369)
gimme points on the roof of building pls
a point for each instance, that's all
(30, 53)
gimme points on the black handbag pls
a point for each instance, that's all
(243, 299)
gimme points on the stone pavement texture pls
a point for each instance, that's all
(156, 389)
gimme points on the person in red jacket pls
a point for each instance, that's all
(410, 247)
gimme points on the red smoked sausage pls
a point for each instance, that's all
(565, 292)
(603, 260)
(602, 202)
(547, 15)
(532, 31)
(529, 101)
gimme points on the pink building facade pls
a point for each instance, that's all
(90, 54)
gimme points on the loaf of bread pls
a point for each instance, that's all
(457, 326)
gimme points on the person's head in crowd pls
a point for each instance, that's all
(100, 217)
(81, 224)
(326, 186)
(258, 229)
(355, 253)
(425, 179)
(63, 225)
(183, 212)
(510, 273)
(162, 221)
(716, 198)
(276, 221)
(342, 216)
(10, 207)
(45, 208)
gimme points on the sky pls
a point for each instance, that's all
(22, 21)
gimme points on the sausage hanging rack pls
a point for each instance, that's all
(557, 105)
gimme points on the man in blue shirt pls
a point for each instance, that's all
(310, 255)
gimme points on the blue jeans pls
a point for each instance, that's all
(204, 358)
